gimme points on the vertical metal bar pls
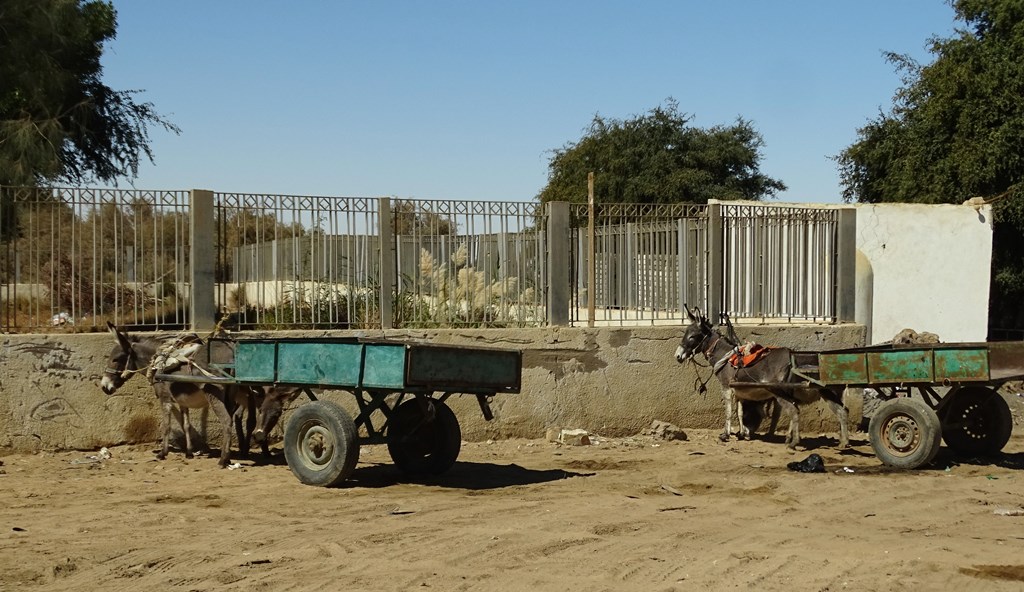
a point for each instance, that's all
(385, 228)
(202, 259)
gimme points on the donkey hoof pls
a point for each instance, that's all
(724, 436)
(161, 455)
(189, 455)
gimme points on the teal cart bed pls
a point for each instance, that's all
(407, 383)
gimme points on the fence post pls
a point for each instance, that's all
(716, 259)
(559, 241)
(203, 259)
(388, 281)
(846, 266)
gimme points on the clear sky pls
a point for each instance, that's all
(465, 99)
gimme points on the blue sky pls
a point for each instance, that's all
(466, 99)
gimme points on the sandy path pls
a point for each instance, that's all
(624, 514)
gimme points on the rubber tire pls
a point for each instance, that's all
(320, 444)
(977, 421)
(905, 433)
(423, 447)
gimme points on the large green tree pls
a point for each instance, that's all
(956, 131)
(58, 121)
(658, 157)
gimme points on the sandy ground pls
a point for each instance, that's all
(621, 514)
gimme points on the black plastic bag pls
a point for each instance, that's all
(811, 464)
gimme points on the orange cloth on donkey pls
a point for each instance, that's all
(748, 354)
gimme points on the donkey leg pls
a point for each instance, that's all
(793, 435)
(186, 427)
(216, 401)
(728, 395)
(242, 404)
(170, 410)
(843, 415)
(742, 432)
(773, 424)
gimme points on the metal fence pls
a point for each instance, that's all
(780, 261)
(469, 263)
(76, 258)
(290, 261)
(80, 257)
(755, 261)
(648, 259)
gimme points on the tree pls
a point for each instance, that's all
(956, 131)
(658, 157)
(58, 121)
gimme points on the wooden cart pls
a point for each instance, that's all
(408, 383)
(945, 391)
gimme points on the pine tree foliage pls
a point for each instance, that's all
(58, 121)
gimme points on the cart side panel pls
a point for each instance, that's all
(255, 361)
(843, 368)
(384, 366)
(475, 369)
(890, 367)
(320, 363)
(961, 365)
(1006, 360)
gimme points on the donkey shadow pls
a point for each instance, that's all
(473, 476)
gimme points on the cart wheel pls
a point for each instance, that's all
(905, 433)
(320, 444)
(420, 444)
(977, 421)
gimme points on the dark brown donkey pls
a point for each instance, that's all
(133, 355)
(700, 337)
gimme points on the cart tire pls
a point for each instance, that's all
(320, 444)
(420, 445)
(905, 433)
(977, 421)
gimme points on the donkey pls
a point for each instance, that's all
(774, 368)
(133, 355)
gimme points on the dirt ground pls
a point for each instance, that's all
(621, 514)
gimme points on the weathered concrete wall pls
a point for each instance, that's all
(929, 269)
(609, 381)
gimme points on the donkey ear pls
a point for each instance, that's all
(689, 312)
(126, 344)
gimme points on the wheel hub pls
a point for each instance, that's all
(316, 446)
(902, 435)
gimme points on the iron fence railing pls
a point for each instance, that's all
(648, 259)
(780, 261)
(465, 263)
(78, 257)
(287, 261)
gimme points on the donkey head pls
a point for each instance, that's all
(695, 335)
(123, 361)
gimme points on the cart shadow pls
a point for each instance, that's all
(827, 443)
(947, 458)
(463, 475)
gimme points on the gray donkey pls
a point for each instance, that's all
(773, 369)
(133, 355)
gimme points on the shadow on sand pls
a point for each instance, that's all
(464, 475)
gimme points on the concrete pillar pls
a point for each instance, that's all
(559, 237)
(388, 278)
(846, 266)
(203, 258)
(716, 260)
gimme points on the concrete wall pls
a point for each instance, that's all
(609, 381)
(928, 270)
